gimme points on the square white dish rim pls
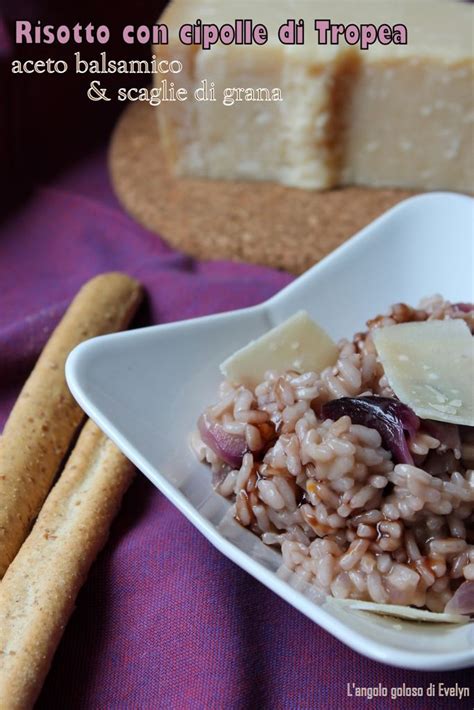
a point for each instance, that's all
(274, 310)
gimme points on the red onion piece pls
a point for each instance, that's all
(229, 447)
(462, 601)
(391, 418)
(447, 434)
(464, 307)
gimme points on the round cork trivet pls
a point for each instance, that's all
(260, 222)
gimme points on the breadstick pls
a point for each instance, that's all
(45, 418)
(38, 592)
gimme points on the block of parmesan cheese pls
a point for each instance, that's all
(389, 115)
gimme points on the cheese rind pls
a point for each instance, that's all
(430, 367)
(391, 115)
(297, 344)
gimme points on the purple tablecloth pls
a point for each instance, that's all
(164, 620)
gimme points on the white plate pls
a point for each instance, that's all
(145, 388)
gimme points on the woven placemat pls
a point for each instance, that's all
(258, 222)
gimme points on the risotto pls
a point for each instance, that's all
(365, 499)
